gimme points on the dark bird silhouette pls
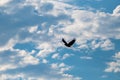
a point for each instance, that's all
(70, 43)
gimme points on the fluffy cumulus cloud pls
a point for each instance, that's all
(114, 66)
(40, 24)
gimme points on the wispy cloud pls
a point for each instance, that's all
(86, 57)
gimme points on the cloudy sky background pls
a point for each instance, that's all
(31, 33)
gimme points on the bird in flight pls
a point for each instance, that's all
(69, 44)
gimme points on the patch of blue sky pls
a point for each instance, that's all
(25, 46)
(93, 68)
(102, 5)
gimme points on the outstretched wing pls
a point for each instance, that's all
(64, 41)
(71, 42)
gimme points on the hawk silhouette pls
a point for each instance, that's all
(69, 44)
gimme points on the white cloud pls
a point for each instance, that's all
(44, 53)
(27, 58)
(88, 25)
(17, 59)
(70, 77)
(33, 29)
(7, 66)
(56, 56)
(24, 77)
(114, 66)
(62, 67)
(4, 2)
(117, 11)
(9, 45)
(45, 61)
(61, 20)
(104, 44)
(12, 77)
(59, 57)
(54, 65)
(33, 52)
(117, 55)
(107, 45)
(45, 49)
(54, 73)
(65, 56)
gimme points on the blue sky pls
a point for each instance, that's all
(31, 33)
